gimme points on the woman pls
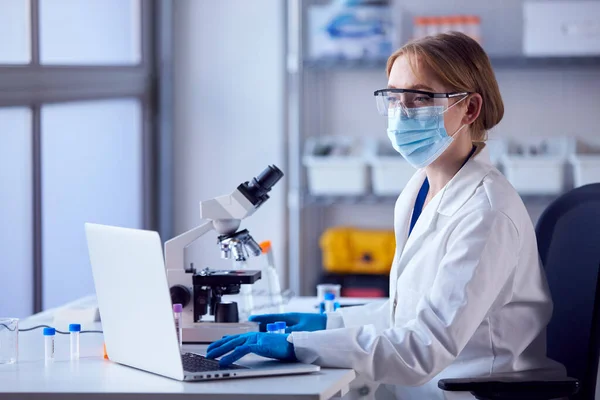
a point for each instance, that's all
(468, 296)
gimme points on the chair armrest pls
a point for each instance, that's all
(512, 388)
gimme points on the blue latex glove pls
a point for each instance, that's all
(296, 322)
(269, 345)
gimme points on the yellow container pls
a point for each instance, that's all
(357, 251)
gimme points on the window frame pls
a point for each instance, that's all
(33, 85)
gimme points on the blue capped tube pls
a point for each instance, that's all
(74, 330)
(271, 328)
(280, 325)
(329, 302)
(49, 334)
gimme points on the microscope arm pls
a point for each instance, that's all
(174, 248)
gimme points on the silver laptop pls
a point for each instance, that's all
(137, 318)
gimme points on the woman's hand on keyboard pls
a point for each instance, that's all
(268, 345)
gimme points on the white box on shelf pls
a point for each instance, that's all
(586, 163)
(535, 165)
(536, 176)
(561, 28)
(586, 169)
(337, 165)
(390, 172)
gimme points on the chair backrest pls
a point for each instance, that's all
(568, 234)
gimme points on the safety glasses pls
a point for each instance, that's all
(409, 101)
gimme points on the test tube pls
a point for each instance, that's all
(74, 330)
(271, 328)
(177, 309)
(329, 302)
(280, 325)
(49, 344)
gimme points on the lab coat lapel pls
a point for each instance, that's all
(449, 200)
(402, 216)
(425, 224)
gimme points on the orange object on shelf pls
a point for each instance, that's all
(357, 251)
(455, 19)
(421, 20)
(265, 246)
(105, 355)
(473, 19)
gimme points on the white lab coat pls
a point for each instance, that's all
(468, 296)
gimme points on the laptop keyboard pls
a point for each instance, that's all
(197, 363)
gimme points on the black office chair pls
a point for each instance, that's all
(568, 234)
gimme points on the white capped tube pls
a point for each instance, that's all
(49, 334)
(74, 330)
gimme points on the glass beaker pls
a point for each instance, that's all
(328, 288)
(9, 340)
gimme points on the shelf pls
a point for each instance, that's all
(371, 199)
(497, 62)
(544, 62)
(335, 64)
(325, 201)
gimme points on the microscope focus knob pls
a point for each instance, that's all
(180, 295)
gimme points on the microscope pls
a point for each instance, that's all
(205, 317)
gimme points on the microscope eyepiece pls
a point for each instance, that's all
(268, 178)
(256, 190)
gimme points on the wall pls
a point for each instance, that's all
(229, 113)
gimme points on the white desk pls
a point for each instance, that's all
(92, 377)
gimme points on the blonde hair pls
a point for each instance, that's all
(463, 66)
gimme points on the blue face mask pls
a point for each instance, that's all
(419, 135)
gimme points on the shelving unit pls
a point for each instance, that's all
(371, 199)
(326, 201)
(498, 61)
(308, 105)
(544, 62)
(326, 64)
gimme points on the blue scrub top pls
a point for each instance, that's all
(420, 202)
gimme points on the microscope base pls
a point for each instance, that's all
(208, 332)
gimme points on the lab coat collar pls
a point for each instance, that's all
(462, 186)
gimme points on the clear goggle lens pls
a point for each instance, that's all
(390, 103)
